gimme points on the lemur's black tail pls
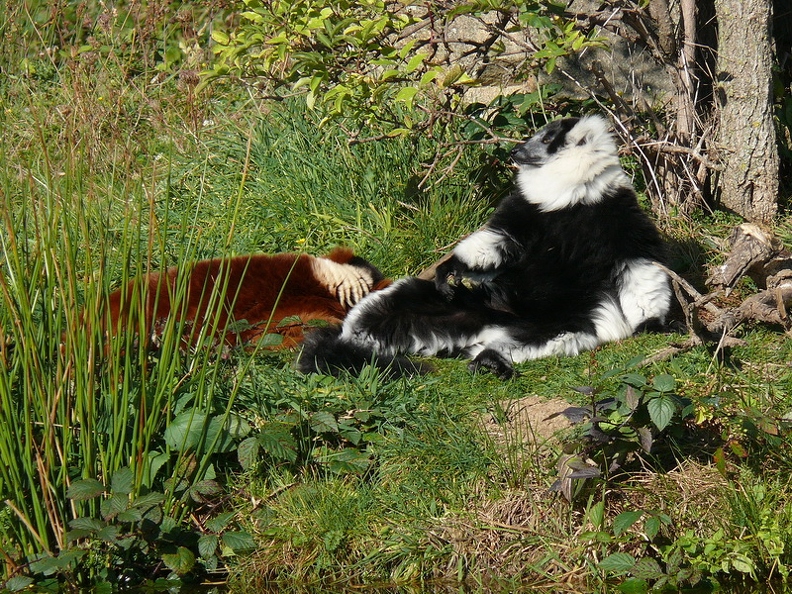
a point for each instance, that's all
(324, 351)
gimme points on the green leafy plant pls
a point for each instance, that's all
(748, 544)
(379, 62)
(322, 425)
(618, 427)
(132, 533)
(683, 563)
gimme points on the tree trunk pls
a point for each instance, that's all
(748, 182)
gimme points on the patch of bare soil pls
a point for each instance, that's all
(528, 420)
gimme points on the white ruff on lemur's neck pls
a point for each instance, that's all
(551, 188)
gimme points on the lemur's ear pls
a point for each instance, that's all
(582, 141)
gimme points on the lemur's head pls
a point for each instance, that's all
(569, 161)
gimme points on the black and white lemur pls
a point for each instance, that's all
(565, 263)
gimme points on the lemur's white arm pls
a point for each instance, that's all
(484, 250)
(481, 253)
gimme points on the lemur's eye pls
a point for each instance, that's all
(547, 139)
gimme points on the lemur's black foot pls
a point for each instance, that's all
(495, 362)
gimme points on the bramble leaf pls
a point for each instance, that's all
(617, 563)
(84, 490)
(624, 520)
(180, 562)
(661, 411)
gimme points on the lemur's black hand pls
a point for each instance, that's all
(447, 276)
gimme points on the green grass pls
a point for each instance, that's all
(111, 167)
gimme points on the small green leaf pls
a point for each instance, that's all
(350, 433)
(294, 320)
(738, 449)
(278, 442)
(109, 533)
(617, 563)
(239, 542)
(112, 506)
(415, 62)
(664, 383)
(247, 453)
(269, 340)
(634, 379)
(652, 527)
(429, 76)
(720, 461)
(596, 514)
(184, 431)
(85, 489)
(46, 565)
(388, 74)
(89, 524)
(398, 132)
(661, 411)
(324, 422)
(624, 520)
(207, 545)
(220, 522)
(152, 465)
(180, 562)
(314, 83)
(743, 564)
(206, 488)
(647, 568)
(406, 95)
(222, 432)
(452, 75)
(20, 582)
(348, 460)
(633, 586)
(149, 500)
(123, 481)
(407, 48)
(130, 515)
(220, 37)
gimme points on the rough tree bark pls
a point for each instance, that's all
(746, 145)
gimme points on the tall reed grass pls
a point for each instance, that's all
(76, 404)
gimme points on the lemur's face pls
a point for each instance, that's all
(569, 161)
(546, 143)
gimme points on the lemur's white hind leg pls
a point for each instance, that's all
(644, 293)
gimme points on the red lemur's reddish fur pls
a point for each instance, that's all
(300, 288)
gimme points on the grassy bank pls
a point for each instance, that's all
(117, 462)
